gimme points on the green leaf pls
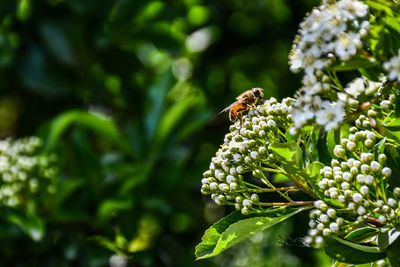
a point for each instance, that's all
(323, 152)
(313, 170)
(280, 178)
(361, 234)
(393, 161)
(31, 224)
(332, 139)
(172, 116)
(390, 8)
(346, 251)
(65, 188)
(108, 244)
(288, 153)
(99, 124)
(393, 253)
(110, 207)
(385, 239)
(380, 147)
(237, 227)
(393, 125)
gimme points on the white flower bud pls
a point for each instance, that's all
(320, 226)
(369, 179)
(348, 193)
(314, 214)
(360, 178)
(324, 218)
(233, 186)
(323, 207)
(365, 168)
(357, 197)
(254, 198)
(347, 177)
(326, 232)
(361, 210)
(364, 190)
(331, 213)
(368, 142)
(351, 146)
(318, 241)
(334, 195)
(342, 198)
(396, 191)
(366, 124)
(335, 162)
(308, 240)
(385, 209)
(382, 219)
(213, 186)
(392, 203)
(254, 154)
(248, 160)
(271, 123)
(344, 141)
(239, 169)
(334, 227)
(357, 163)
(230, 179)
(381, 263)
(365, 157)
(344, 165)
(312, 224)
(322, 184)
(318, 204)
(223, 187)
(385, 104)
(351, 206)
(345, 185)
(382, 158)
(354, 170)
(245, 211)
(375, 166)
(246, 203)
(313, 232)
(386, 172)
(339, 151)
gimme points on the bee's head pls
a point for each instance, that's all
(258, 92)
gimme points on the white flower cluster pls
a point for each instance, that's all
(244, 150)
(23, 171)
(333, 30)
(309, 108)
(393, 67)
(354, 184)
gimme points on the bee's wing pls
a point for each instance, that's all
(244, 95)
(226, 109)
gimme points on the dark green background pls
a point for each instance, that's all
(138, 177)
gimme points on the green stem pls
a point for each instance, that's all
(267, 182)
(291, 203)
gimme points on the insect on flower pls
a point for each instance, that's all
(244, 101)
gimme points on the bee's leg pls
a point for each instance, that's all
(241, 119)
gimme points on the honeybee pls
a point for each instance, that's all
(244, 101)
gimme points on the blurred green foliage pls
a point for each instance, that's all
(127, 94)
